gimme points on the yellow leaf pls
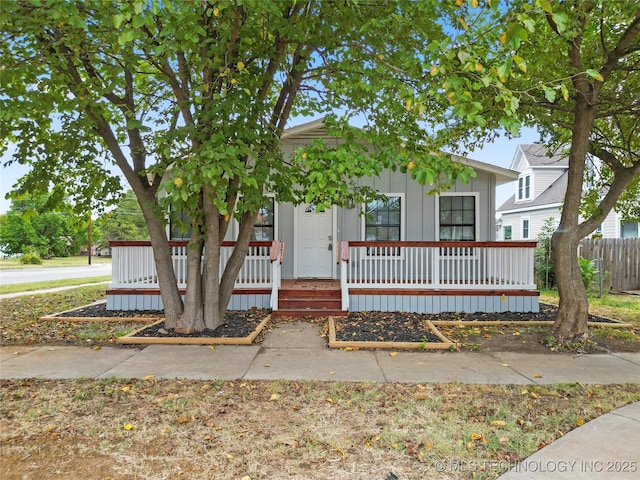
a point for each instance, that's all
(240, 65)
(503, 439)
(479, 67)
(498, 423)
(330, 400)
(410, 165)
(503, 38)
(474, 3)
(126, 388)
(348, 349)
(216, 12)
(580, 422)
(537, 375)
(274, 397)
(97, 347)
(503, 298)
(516, 334)
(148, 377)
(459, 3)
(332, 373)
(393, 354)
(304, 155)
(463, 23)
(128, 427)
(407, 105)
(226, 219)
(504, 364)
(246, 477)
(434, 70)
(534, 395)
(476, 436)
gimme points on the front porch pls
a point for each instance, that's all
(420, 277)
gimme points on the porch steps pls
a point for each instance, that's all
(309, 298)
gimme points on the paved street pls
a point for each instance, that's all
(29, 275)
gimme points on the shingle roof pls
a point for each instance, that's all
(538, 156)
(552, 195)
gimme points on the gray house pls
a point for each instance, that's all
(411, 252)
(538, 195)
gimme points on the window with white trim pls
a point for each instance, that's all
(524, 187)
(507, 232)
(629, 230)
(457, 217)
(525, 228)
(383, 219)
(265, 227)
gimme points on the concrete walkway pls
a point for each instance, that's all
(607, 447)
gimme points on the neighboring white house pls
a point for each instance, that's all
(539, 193)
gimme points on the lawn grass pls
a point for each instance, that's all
(67, 282)
(621, 307)
(150, 428)
(76, 261)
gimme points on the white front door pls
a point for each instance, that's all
(314, 247)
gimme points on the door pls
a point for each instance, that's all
(314, 245)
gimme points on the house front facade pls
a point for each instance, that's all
(538, 195)
(413, 251)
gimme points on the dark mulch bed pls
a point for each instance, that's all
(384, 327)
(236, 325)
(100, 310)
(411, 327)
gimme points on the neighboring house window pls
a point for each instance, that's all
(265, 226)
(524, 187)
(506, 232)
(525, 228)
(383, 219)
(629, 230)
(457, 217)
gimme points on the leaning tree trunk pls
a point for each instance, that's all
(571, 320)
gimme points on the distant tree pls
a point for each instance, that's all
(125, 222)
(30, 228)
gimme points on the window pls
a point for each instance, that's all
(180, 219)
(383, 219)
(457, 217)
(629, 230)
(525, 228)
(506, 232)
(264, 228)
(524, 187)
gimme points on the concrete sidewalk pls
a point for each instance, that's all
(296, 351)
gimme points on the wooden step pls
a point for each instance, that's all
(307, 293)
(308, 313)
(309, 303)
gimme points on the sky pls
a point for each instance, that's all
(499, 153)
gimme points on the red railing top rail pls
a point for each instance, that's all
(440, 244)
(177, 243)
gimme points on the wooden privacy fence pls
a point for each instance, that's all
(620, 261)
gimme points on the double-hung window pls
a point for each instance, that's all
(383, 221)
(524, 187)
(264, 228)
(457, 217)
(525, 228)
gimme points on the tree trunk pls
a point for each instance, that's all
(571, 321)
(213, 313)
(169, 292)
(192, 319)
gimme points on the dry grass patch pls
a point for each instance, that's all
(311, 430)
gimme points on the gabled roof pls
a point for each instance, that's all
(537, 155)
(553, 195)
(316, 129)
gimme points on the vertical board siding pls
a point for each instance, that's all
(435, 304)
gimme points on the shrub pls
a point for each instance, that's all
(31, 259)
(588, 272)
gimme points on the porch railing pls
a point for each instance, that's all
(133, 266)
(436, 265)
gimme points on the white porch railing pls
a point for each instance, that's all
(133, 266)
(436, 265)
